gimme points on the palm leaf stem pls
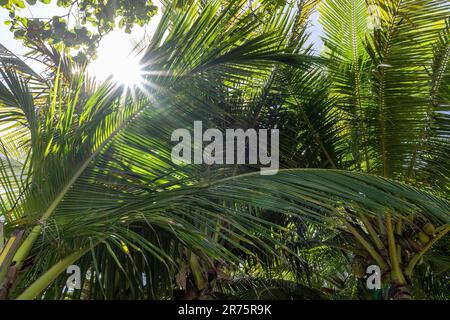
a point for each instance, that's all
(363, 242)
(48, 277)
(442, 232)
(395, 263)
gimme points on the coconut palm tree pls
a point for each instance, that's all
(389, 72)
(87, 178)
(354, 123)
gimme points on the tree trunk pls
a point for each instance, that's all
(399, 291)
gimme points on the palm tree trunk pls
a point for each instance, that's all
(399, 291)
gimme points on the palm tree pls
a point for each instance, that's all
(389, 65)
(86, 174)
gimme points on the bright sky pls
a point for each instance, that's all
(115, 48)
(39, 10)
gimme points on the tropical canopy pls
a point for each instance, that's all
(86, 176)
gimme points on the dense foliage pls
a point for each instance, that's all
(86, 175)
(93, 20)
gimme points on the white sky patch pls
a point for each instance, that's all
(117, 54)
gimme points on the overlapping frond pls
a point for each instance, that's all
(94, 181)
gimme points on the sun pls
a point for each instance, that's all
(116, 59)
(127, 72)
